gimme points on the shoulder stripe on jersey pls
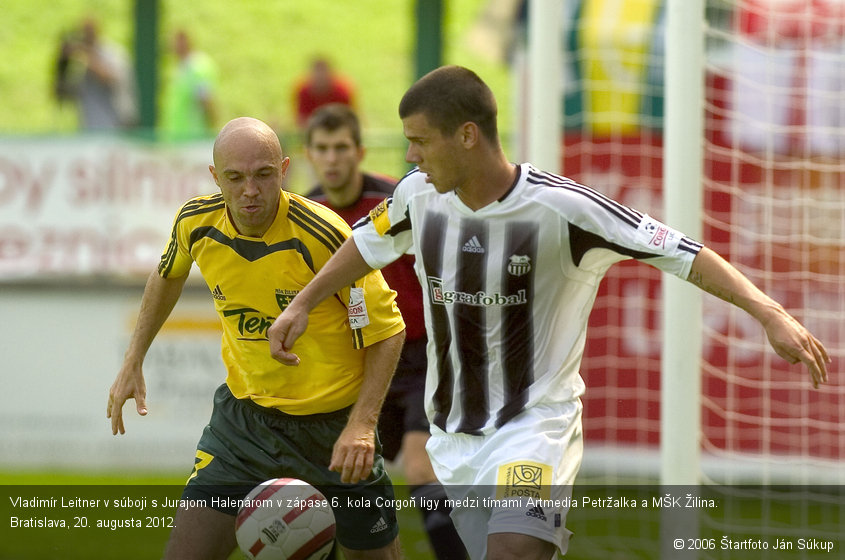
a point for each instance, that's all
(403, 225)
(191, 208)
(624, 213)
(316, 225)
(252, 250)
(366, 218)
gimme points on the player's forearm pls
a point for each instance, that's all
(343, 268)
(379, 365)
(716, 276)
(160, 296)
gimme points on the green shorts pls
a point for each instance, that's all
(245, 444)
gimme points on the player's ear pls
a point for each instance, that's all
(469, 134)
(214, 174)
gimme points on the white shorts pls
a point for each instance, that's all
(517, 479)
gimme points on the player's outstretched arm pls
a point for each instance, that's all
(160, 295)
(789, 338)
(354, 450)
(342, 269)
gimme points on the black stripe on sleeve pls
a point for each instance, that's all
(316, 225)
(357, 339)
(395, 229)
(191, 208)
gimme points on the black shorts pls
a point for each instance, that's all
(246, 444)
(404, 407)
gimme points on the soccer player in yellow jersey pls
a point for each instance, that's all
(257, 246)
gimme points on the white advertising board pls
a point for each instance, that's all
(91, 205)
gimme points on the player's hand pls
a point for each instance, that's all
(354, 453)
(128, 385)
(794, 343)
(284, 331)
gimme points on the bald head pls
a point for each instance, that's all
(249, 168)
(246, 132)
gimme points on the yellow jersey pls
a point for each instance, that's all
(253, 279)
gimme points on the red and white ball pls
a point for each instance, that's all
(285, 519)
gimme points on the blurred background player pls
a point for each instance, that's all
(320, 87)
(189, 101)
(333, 147)
(97, 76)
(257, 246)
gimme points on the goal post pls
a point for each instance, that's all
(680, 395)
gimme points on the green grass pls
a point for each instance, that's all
(261, 48)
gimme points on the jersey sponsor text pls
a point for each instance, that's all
(481, 298)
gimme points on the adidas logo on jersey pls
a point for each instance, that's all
(473, 246)
(217, 293)
(537, 512)
(381, 525)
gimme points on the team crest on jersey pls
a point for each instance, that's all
(519, 265)
(284, 297)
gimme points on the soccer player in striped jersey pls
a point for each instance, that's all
(334, 149)
(257, 246)
(510, 258)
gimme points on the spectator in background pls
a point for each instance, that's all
(333, 147)
(97, 76)
(189, 102)
(320, 87)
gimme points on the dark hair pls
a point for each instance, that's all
(331, 117)
(451, 96)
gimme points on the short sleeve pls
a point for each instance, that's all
(384, 235)
(176, 261)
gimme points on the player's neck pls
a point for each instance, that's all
(490, 182)
(346, 195)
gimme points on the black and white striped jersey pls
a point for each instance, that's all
(508, 288)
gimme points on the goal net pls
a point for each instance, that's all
(774, 205)
(773, 177)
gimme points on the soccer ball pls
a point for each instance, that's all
(285, 519)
